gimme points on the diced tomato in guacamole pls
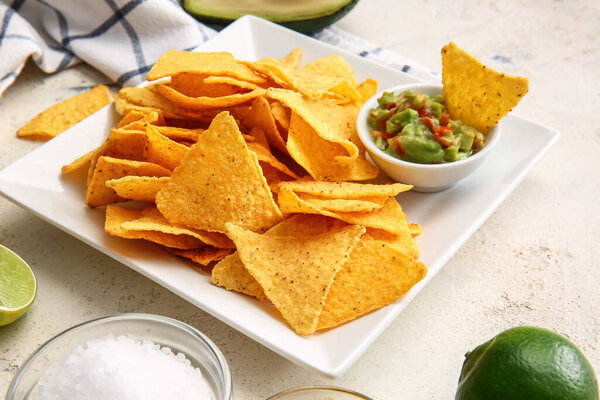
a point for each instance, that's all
(413, 127)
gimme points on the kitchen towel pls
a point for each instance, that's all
(123, 38)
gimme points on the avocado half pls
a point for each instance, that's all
(305, 16)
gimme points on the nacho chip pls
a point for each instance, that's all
(346, 190)
(200, 103)
(78, 163)
(195, 85)
(152, 220)
(140, 188)
(179, 134)
(146, 99)
(230, 272)
(116, 216)
(203, 256)
(60, 117)
(163, 151)
(415, 229)
(402, 242)
(389, 217)
(265, 156)
(376, 275)
(262, 118)
(282, 115)
(296, 272)
(325, 164)
(367, 89)
(107, 168)
(292, 59)
(136, 120)
(217, 182)
(365, 204)
(476, 94)
(125, 144)
(218, 63)
(241, 84)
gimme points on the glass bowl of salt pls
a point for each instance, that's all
(125, 356)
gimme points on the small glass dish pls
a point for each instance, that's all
(319, 393)
(200, 350)
(423, 177)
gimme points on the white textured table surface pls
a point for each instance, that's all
(535, 261)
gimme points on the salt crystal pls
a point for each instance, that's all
(123, 368)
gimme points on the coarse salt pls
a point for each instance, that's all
(123, 368)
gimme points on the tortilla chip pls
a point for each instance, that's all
(199, 103)
(292, 59)
(152, 220)
(265, 156)
(140, 188)
(230, 272)
(179, 134)
(107, 168)
(476, 94)
(282, 115)
(325, 164)
(296, 272)
(146, 99)
(365, 204)
(367, 89)
(163, 151)
(218, 181)
(60, 117)
(241, 84)
(376, 275)
(125, 144)
(203, 256)
(218, 63)
(389, 217)
(116, 216)
(262, 118)
(402, 242)
(78, 163)
(415, 229)
(195, 85)
(346, 190)
(136, 120)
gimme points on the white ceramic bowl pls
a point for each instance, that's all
(424, 177)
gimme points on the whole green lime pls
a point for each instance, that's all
(527, 363)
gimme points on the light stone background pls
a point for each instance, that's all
(534, 262)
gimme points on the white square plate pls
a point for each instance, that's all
(35, 183)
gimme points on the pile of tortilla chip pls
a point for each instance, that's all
(253, 168)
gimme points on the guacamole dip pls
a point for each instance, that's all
(414, 127)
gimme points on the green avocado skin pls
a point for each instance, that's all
(527, 363)
(306, 26)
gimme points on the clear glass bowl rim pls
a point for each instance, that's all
(302, 389)
(228, 383)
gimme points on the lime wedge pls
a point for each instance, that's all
(17, 286)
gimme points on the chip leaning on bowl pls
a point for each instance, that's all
(252, 168)
(414, 127)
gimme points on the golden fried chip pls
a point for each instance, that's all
(365, 204)
(146, 99)
(163, 151)
(230, 272)
(179, 134)
(140, 188)
(345, 190)
(389, 217)
(415, 229)
(136, 120)
(261, 117)
(78, 163)
(265, 156)
(326, 164)
(475, 94)
(296, 272)
(376, 275)
(217, 182)
(117, 216)
(107, 168)
(292, 59)
(367, 89)
(61, 116)
(219, 63)
(195, 85)
(125, 144)
(203, 256)
(200, 103)
(403, 242)
(152, 220)
(281, 114)
(231, 81)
